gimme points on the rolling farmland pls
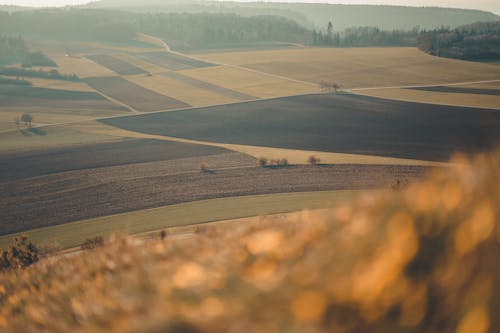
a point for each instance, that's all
(359, 67)
(88, 193)
(184, 217)
(82, 170)
(184, 92)
(116, 65)
(250, 82)
(16, 166)
(131, 94)
(172, 61)
(335, 123)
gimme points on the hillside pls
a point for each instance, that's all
(318, 15)
(182, 30)
(418, 260)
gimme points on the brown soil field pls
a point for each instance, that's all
(172, 61)
(359, 67)
(131, 94)
(15, 166)
(26, 96)
(433, 97)
(294, 156)
(116, 65)
(341, 123)
(77, 195)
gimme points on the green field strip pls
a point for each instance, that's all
(73, 234)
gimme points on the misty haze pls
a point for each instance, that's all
(218, 166)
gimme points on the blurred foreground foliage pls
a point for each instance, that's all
(423, 259)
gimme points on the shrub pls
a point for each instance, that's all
(21, 253)
(399, 185)
(49, 249)
(283, 162)
(163, 234)
(313, 160)
(279, 162)
(204, 167)
(92, 243)
(262, 161)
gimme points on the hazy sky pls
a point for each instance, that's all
(488, 5)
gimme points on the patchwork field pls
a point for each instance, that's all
(13, 96)
(135, 96)
(71, 196)
(116, 65)
(335, 123)
(182, 91)
(80, 66)
(249, 82)
(294, 156)
(359, 67)
(132, 59)
(209, 87)
(48, 105)
(15, 166)
(172, 61)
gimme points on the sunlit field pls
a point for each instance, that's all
(359, 67)
(225, 167)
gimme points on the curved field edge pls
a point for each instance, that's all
(294, 156)
(340, 123)
(198, 212)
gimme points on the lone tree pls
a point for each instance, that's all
(27, 119)
(329, 86)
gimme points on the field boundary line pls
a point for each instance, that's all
(360, 93)
(240, 213)
(424, 86)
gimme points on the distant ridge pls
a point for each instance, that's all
(318, 15)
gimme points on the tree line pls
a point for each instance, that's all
(364, 36)
(478, 41)
(213, 30)
(180, 29)
(13, 50)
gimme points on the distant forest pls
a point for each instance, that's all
(365, 36)
(181, 30)
(13, 50)
(478, 41)
(315, 15)
(219, 30)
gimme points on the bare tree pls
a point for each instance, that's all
(329, 86)
(27, 119)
